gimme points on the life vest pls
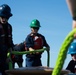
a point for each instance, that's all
(2, 35)
(38, 42)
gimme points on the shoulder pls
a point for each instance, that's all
(28, 36)
(9, 25)
(41, 35)
(72, 61)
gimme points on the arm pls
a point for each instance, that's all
(46, 44)
(29, 43)
(74, 24)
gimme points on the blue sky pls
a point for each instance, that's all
(55, 20)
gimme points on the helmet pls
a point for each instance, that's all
(5, 11)
(72, 48)
(35, 23)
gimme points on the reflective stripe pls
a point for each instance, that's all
(9, 35)
(3, 35)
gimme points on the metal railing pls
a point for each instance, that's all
(27, 52)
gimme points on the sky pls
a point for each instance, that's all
(55, 20)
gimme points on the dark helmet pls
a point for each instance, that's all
(5, 11)
(35, 23)
(72, 48)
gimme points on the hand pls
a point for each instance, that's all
(75, 35)
(31, 49)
